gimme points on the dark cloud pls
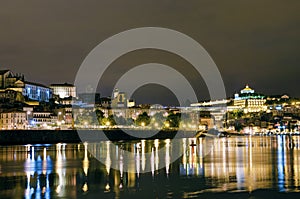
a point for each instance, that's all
(255, 42)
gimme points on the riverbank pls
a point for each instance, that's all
(21, 137)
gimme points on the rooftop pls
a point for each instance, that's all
(62, 85)
(247, 88)
(36, 84)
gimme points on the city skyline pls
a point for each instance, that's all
(251, 42)
(149, 99)
(137, 93)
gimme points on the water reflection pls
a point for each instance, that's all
(37, 168)
(69, 170)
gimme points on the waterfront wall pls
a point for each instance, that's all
(11, 137)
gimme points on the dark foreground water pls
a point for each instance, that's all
(236, 167)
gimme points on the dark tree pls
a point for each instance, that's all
(143, 119)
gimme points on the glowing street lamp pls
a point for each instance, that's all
(59, 116)
(167, 124)
(107, 187)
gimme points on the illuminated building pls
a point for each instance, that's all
(33, 91)
(130, 103)
(249, 100)
(13, 120)
(37, 92)
(41, 119)
(64, 90)
(65, 114)
(247, 90)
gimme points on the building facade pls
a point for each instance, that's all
(10, 96)
(30, 90)
(13, 120)
(7, 79)
(64, 90)
(37, 92)
(250, 101)
(41, 119)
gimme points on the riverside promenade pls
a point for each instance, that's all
(15, 137)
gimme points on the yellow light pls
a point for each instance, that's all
(167, 124)
(85, 187)
(107, 187)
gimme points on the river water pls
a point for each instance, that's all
(235, 167)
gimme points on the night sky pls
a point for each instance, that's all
(255, 42)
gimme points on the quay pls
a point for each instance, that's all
(20, 137)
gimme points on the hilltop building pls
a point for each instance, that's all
(8, 79)
(30, 90)
(249, 100)
(64, 90)
(37, 92)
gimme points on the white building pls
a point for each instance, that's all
(64, 90)
(250, 101)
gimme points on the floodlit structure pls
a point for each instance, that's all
(249, 100)
(13, 120)
(30, 90)
(64, 90)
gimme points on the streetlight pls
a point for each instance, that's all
(167, 124)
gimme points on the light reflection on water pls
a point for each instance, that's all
(70, 171)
